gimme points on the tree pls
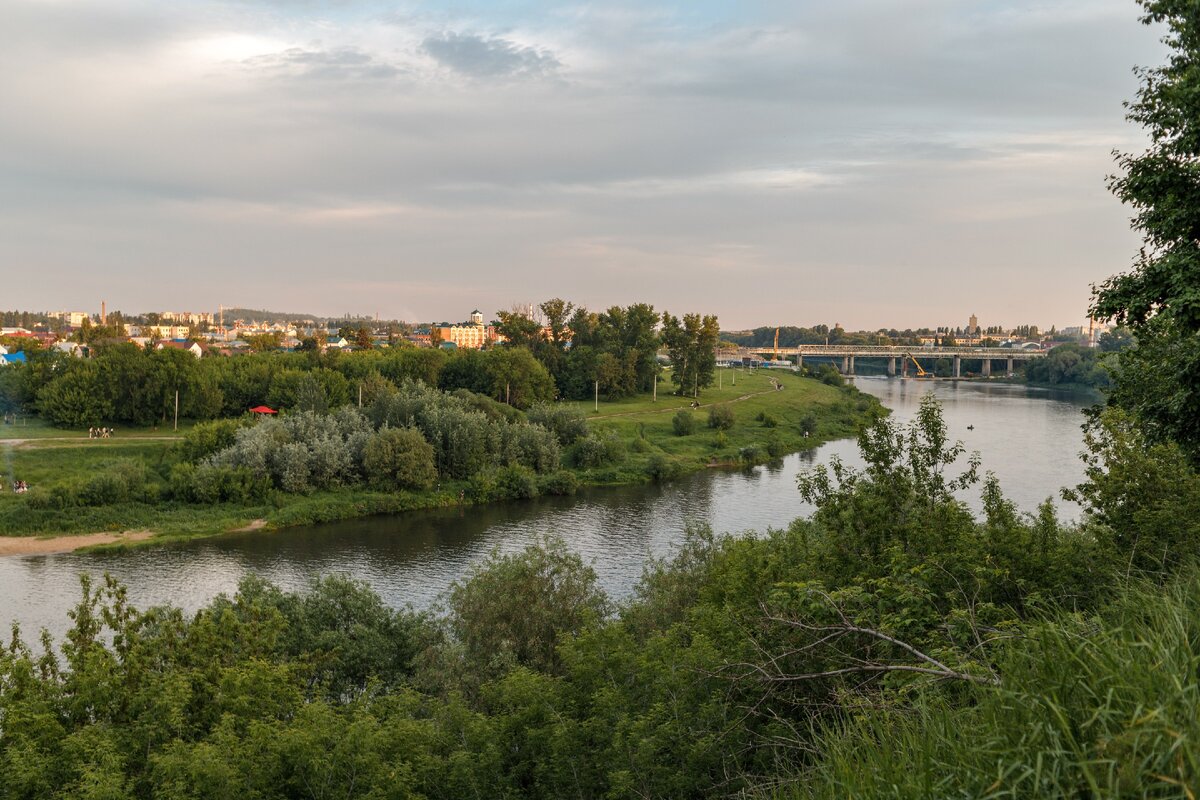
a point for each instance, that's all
(692, 347)
(362, 338)
(1159, 299)
(399, 458)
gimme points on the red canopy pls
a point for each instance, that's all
(262, 410)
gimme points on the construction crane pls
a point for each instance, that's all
(921, 373)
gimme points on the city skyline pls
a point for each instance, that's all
(870, 164)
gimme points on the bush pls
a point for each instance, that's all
(515, 483)
(775, 447)
(661, 468)
(808, 424)
(749, 454)
(640, 446)
(209, 438)
(683, 422)
(558, 483)
(121, 481)
(720, 441)
(210, 484)
(567, 423)
(768, 420)
(399, 458)
(720, 418)
(599, 450)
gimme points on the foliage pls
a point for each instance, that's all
(691, 345)
(683, 423)
(1158, 299)
(399, 458)
(516, 608)
(1069, 364)
(720, 417)
(598, 450)
(567, 423)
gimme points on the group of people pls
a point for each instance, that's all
(20, 487)
(99, 433)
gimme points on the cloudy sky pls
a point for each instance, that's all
(868, 162)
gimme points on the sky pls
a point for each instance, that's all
(871, 163)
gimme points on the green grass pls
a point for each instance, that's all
(838, 414)
(28, 427)
(643, 425)
(1102, 707)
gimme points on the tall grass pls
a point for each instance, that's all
(1088, 708)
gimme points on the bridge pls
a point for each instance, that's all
(891, 352)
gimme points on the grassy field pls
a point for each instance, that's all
(767, 422)
(26, 427)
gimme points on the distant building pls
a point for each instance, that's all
(471, 335)
(72, 318)
(195, 348)
(973, 326)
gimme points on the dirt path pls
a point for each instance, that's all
(35, 440)
(36, 545)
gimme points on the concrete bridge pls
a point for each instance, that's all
(905, 354)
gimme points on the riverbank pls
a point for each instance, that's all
(767, 422)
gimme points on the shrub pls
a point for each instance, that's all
(209, 438)
(558, 483)
(720, 417)
(567, 423)
(775, 447)
(768, 420)
(640, 446)
(515, 483)
(720, 440)
(808, 424)
(683, 422)
(749, 454)
(211, 484)
(121, 481)
(399, 458)
(599, 450)
(661, 468)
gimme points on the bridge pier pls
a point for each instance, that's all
(851, 365)
(891, 367)
(845, 365)
(1010, 366)
(958, 366)
(987, 368)
(799, 361)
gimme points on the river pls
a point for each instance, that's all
(1029, 437)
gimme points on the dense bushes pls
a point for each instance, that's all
(465, 441)
(599, 450)
(683, 423)
(566, 422)
(399, 458)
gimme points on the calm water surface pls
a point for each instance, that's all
(1030, 438)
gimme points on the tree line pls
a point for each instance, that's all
(614, 352)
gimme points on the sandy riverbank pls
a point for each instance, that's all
(38, 545)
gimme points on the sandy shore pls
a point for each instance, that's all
(37, 545)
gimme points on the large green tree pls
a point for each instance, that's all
(1159, 298)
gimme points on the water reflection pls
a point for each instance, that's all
(1029, 438)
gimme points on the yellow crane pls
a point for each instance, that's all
(921, 373)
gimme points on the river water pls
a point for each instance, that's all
(1030, 438)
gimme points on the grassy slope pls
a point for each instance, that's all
(46, 459)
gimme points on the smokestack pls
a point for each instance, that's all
(103, 313)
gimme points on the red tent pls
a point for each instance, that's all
(263, 410)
